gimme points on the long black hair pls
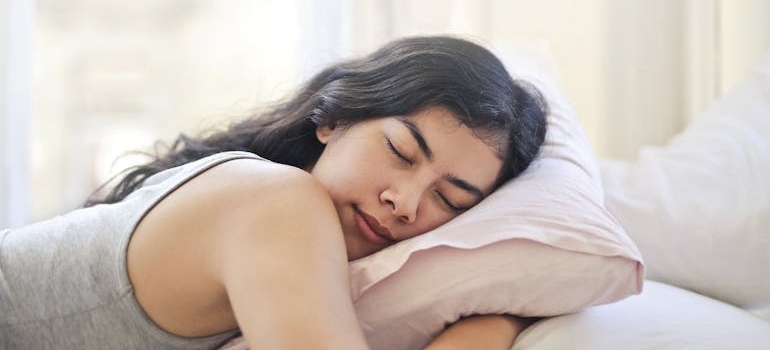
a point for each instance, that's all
(399, 79)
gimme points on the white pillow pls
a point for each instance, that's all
(541, 245)
(699, 207)
(663, 317)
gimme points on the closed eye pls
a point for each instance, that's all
(449, 205)
(395, 152)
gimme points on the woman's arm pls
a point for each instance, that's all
(289, 288)
(489, 332)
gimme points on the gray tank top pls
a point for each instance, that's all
(64, 284)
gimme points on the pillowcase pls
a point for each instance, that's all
(663, 317)
(699, 207)
(543, 244)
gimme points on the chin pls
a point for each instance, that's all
(354, 247)
(358, 251)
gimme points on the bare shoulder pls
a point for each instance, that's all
(256, 172)
(238, 192)
(248, 179)
(273, 202)
(176, 253)
(256, 196)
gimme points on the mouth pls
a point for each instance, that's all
(371, 229)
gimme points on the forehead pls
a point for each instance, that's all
(455, 148)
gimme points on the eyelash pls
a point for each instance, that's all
(395, 152)
(449, 205)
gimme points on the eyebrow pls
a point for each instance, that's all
(475, 191)
(414, 130)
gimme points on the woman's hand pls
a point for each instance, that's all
(488, 332)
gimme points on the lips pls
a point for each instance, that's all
(371, 229)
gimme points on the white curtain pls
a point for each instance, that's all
(16, 17)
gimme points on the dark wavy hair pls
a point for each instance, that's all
(400, 78)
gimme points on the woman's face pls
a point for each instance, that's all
(397, 177)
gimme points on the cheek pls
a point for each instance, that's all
(348, 170)
(364, 167)
(430, 216)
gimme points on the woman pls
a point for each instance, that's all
(211, 238)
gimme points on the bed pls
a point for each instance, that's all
(667, 251)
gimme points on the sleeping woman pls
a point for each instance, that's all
(250, 229)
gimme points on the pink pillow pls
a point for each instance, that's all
(543, 244)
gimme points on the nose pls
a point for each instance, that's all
(403, 203)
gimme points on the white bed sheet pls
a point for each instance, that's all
(662, 317)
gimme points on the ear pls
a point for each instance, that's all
(324, 133)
